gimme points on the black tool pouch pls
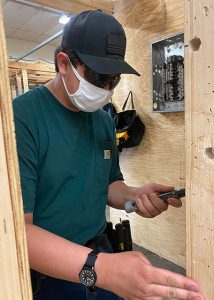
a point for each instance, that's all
(120, 237)
(35, 281)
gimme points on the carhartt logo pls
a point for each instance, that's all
(107, 154)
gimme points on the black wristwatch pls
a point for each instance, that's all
(87, 275)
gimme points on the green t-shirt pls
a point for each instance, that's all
(67, 161)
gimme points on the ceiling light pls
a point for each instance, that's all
(64, 19)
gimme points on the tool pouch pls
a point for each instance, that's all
(120, 237)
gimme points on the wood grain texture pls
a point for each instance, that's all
(14, 271)
(76, 6)
(161, 155)
(9, 273)
(199, 93)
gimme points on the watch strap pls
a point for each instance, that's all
(92, 256)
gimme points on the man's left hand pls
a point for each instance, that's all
(149, 205)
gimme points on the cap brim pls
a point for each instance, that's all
(106, 65)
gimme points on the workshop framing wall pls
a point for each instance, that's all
(24, 76)
(161, 156)
(14, 270)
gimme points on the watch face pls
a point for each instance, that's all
(88, 277)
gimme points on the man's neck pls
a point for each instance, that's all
(56, 87)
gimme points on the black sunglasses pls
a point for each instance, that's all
(101, 80)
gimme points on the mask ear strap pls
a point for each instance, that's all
(77, 74)
(65, 86)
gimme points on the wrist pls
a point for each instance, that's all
(102, 269)
(131, 194)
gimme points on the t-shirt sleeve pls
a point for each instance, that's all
(27, 155)
(115, 173)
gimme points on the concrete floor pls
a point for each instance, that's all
(159, 261)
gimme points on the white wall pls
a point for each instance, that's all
(16, 48)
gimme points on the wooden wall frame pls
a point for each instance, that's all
(24, 75)
(14, 270)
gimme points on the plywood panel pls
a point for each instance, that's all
(14, 270)
(161, 155)
(199, 33)
(78, 5)
(9, 275)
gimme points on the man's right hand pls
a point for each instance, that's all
(131, 276)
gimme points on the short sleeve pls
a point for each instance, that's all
(27, 155)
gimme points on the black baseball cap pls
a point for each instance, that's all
(99, 40)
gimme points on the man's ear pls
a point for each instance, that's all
(62, 62)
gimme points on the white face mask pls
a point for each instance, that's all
(88, 97)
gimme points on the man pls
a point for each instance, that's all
(69, 171)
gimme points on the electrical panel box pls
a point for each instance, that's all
(168, 74)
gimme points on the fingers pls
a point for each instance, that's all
(146, 208)
(151, 206)
(174, 202)
(158, 203)
(149, 298)
(169, 285)
(159, 188)
(167, 278)
(174, 293)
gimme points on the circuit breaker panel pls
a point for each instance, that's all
(168, 74)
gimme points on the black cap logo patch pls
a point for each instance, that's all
(116, 44)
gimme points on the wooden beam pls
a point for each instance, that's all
(31, 66)
(14, 270)
(199, 94)
(72, 6)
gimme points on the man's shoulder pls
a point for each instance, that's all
(26, 108)
(100, 113)
(27, 105)
(25, 99)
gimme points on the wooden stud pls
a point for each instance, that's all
(14, 271)
(25, 80)
(199, 94)
(13, 90)
(19, 83)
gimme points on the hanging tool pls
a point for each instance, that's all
(131, 205)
